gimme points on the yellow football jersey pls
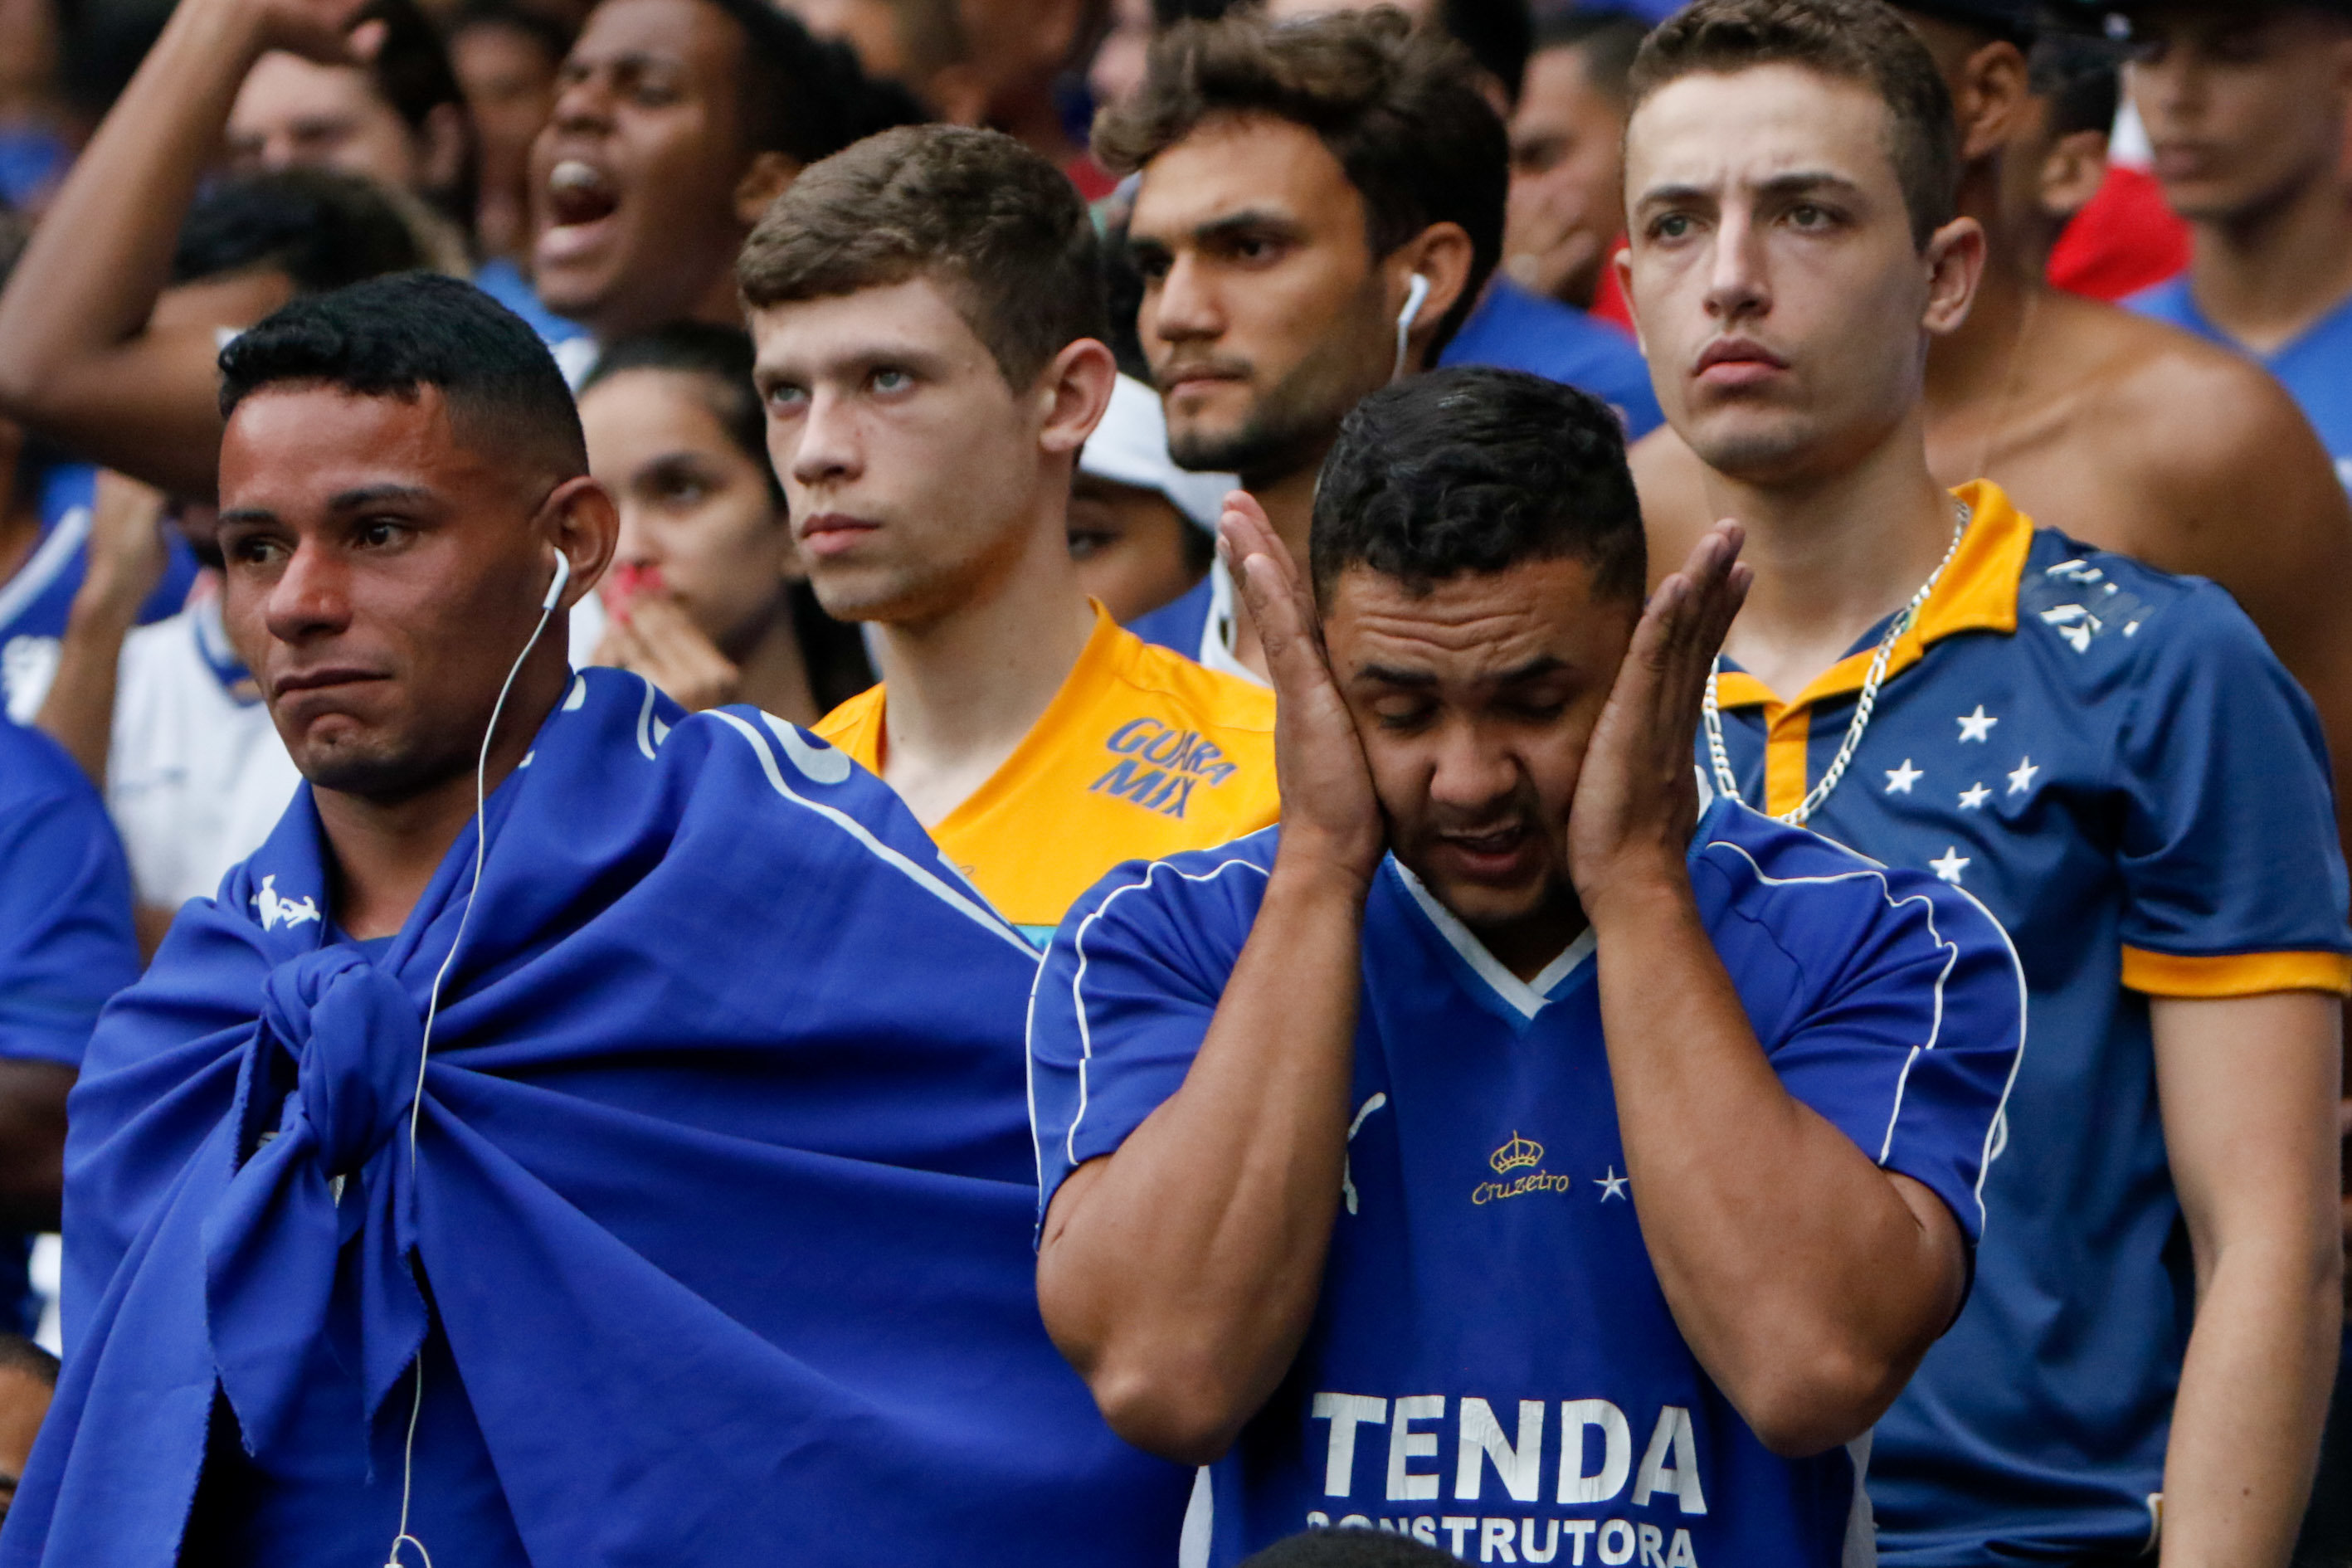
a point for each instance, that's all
(1142, 754)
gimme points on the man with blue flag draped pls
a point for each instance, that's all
(626, 1163)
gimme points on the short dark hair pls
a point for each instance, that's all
(1001, 227)
(1860, 41)
(393, 337)
(1608, 41)
(322, 228)
(1472, 470)
(1350, 1549)
(807, 96)
(1398, 106)
(20, 1354)
(2081, 75)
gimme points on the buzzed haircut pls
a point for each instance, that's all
(1859, 41)
(1001, 228)
(393, 337)
(1398, 106)
(1472, 470)
(1350, 1549)
(1606, 42)
(322, 228)
(807, 96)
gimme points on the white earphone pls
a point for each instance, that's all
(555, 589)
(1416, 292)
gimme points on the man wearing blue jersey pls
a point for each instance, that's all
(1343, 1127)
(65, 947)
(2107, 756)
(2246, 102)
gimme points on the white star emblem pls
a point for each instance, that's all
(1973, 797)
(1900, 780)
(1612, 1186)
(1950, 868)
(2020, 779)
(1977, 726)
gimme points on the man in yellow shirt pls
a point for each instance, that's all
(928, 310)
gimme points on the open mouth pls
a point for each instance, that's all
(579, 196)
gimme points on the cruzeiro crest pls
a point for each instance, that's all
(1520, 1163)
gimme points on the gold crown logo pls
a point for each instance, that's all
(1515, 1156)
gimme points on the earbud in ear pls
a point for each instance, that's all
(562, 577)
(1415, 294)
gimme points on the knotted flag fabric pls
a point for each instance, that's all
(720, 1190)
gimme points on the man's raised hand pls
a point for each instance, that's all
(1329, 809)
(1637, 799)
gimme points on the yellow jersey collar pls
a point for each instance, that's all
(1978, 593)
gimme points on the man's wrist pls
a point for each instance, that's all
(1641, 888)
(1309, 865)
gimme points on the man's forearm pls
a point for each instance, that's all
(91, 276)
(78, 710)
(1180, 1274)
(2254, 1396)
(1805, 1281)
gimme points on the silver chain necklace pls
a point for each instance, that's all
(1864, 703)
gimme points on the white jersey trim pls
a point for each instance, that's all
(34, 577)
(1079, 982)
(937, 887)
(1525, 997)
(1935, 1030)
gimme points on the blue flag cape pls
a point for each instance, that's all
(723, 1189)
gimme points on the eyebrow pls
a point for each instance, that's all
(1534, 669)
(1232, 225)
(1796, 182)
(376, 495)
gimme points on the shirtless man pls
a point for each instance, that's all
(2126, 435)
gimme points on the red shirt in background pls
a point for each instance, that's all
(2124, 240)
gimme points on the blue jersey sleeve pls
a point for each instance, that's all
(1124, 999)
(2234, 883)
(65, 941)
(1890, 1003)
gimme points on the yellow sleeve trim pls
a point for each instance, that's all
(2238, 975)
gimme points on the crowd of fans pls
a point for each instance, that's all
(1385, 269)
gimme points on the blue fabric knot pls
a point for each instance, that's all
(355, 1038)
(335, 1174)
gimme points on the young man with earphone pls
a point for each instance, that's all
(555, 1041)
(2109, 758)
(1318, 207)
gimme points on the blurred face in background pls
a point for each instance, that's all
(699, 519)
(634, 180)
(1134, 551)
(290, 113)
(1568, 178)
(509, 77)
(2244, 107)
(1264, 315)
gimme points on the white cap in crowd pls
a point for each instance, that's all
(1131, 448)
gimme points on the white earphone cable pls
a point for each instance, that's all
(432, 1009)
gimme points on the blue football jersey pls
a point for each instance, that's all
(2317, 367)
(2111, 759)
(1493, 1367)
